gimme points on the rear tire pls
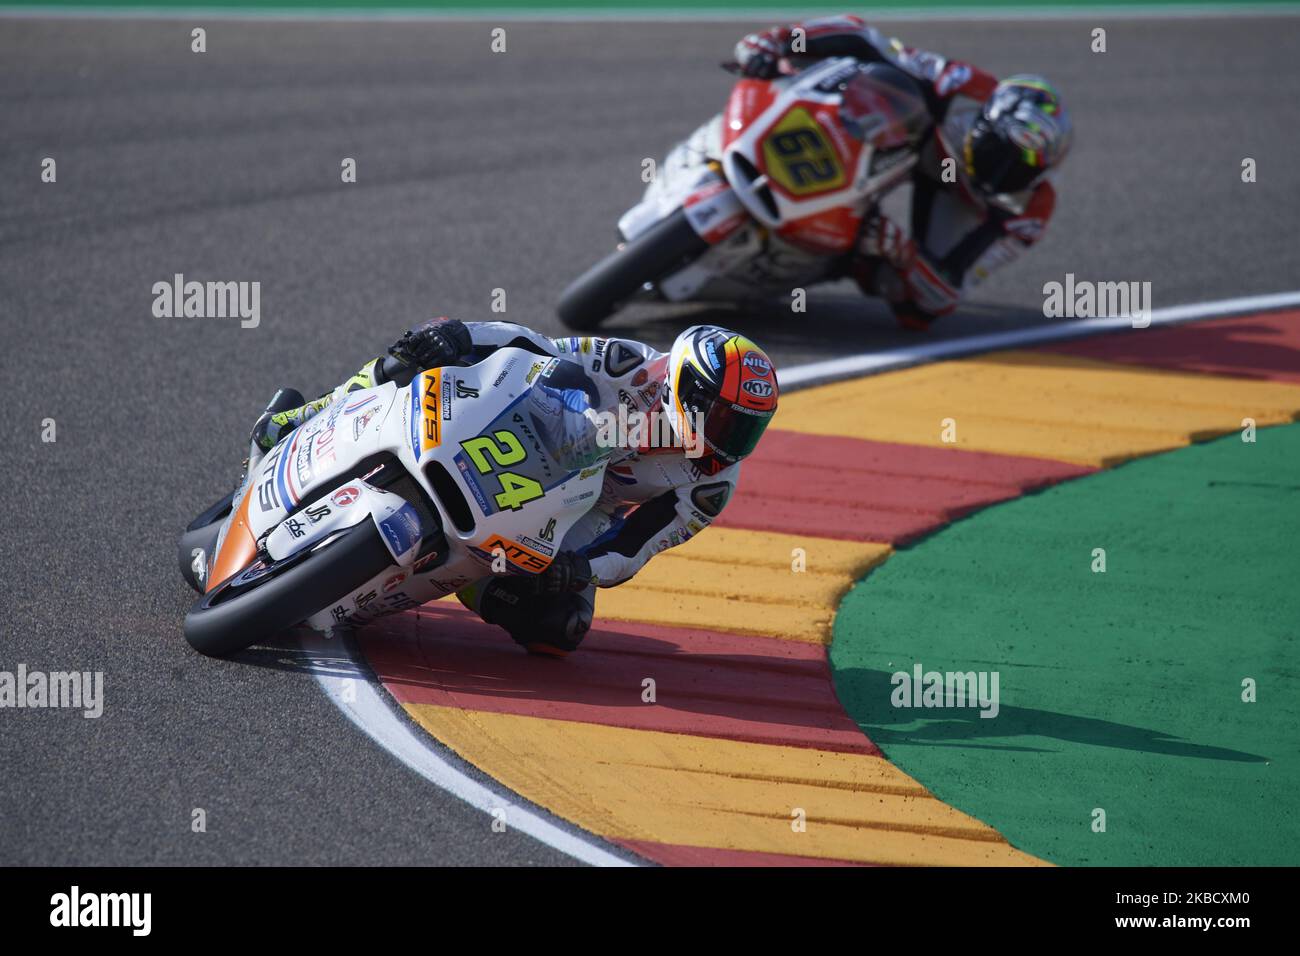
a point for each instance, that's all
(221, 623)
(659, 251)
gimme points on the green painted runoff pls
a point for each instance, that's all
(1120, 691)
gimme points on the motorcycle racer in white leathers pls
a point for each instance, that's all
(981, 193)
(713, 394)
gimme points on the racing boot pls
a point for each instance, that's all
(279, 420)
(548, 615)
(274, 425)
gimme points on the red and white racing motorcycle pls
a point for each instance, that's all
(765, 197)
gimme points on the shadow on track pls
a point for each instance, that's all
(963, 727)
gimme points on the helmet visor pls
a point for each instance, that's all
(997, 164)
(733, 432)
(729, 431)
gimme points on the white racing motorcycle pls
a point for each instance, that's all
(392, 496)
(767, 196)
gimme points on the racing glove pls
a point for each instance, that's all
(567, 572)
(882, 238)
(929, 291)
(917, 290)
(435, 344)
(759, 54)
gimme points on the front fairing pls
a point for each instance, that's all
(468, 437)
(801, 173)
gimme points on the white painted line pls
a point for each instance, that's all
(901, 13)
(342, 678)
(816, 373)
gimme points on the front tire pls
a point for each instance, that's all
(232, 617)
(659, 251)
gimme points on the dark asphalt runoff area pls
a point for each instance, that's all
(476, 171)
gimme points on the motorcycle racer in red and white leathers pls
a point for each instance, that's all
(980, 190)
(714, 394)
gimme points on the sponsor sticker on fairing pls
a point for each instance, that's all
(518, 555)
(359, 424)
(537, 546)
(345, 496)
(401, 530)
(431, 406)
(356, 406)
(471, 482)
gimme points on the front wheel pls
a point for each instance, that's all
(250, 606)
(661, 250)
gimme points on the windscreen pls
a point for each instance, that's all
(883, 106)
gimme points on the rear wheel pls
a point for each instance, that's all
(664, 248)
(262, 601)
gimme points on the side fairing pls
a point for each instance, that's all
(313, 455)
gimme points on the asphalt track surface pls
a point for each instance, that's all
(476, 171)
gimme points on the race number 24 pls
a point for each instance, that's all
(505, 451)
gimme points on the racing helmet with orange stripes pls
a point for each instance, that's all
(720, 391)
